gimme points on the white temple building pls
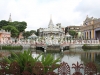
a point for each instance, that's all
(52, 31)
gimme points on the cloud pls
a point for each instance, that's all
(37, 12)
(88, 7)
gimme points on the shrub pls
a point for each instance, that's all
(90, 47)
(9, 47)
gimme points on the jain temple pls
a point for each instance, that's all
(52, 30)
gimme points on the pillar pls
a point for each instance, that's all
(94, 35)
(84, 35)
(88, 34)
(91, 34)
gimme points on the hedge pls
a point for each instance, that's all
(9, 47)
(90, 47)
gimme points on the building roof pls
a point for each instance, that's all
(33, 36)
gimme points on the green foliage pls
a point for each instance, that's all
(26, 58)
(32, 31)
(3, 23)
(49, 60)
(22, 59)
(72, 33)
(15, 27)
(20, 26)
(85, 46)
(9, 47)
(26, 34)
(14, 31)
(37, 33)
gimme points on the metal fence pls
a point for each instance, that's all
(38, 69)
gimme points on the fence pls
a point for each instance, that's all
(38, 69)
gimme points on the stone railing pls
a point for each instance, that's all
(38, 69)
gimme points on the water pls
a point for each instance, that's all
(74, 56)
(71, 56)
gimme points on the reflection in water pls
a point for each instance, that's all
(34, 54)
(91, 56)
(72, 56)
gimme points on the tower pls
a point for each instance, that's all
(10, 20)
(51, 25)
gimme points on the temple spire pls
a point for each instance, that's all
(51, 25)
(10, 20)
(51, 17)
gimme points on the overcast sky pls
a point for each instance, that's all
(37, 12)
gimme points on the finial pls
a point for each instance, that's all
(10, 20)
(87, 16)
(10, 14)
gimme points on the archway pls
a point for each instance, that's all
(97, 34)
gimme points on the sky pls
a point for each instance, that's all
(37, 12)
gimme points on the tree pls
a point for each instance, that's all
(3, 23)
(26, 34)
(32, 31)
(12, 29)
(72, 33)
(21, 26)
(37, 33)
(66, 30)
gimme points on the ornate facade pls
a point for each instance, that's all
(4, 36)
(91, 28)
(52, 31)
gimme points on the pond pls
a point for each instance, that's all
(71, 56)
(74, 56)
